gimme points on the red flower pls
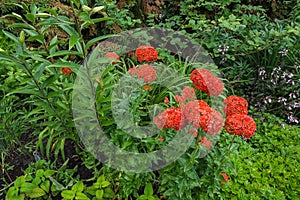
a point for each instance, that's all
(179, 99)
(146, 53)
(170, 118)
(112, 55)
(225, 177)
(241, 125)
(197, 113)
(188, 93)
(199, 78)
(205, 142)
(235, 105)
(66, 71)
(133, 71)
(147, 87)
(203, 80)
(145, 72)
(160, 139)
(215, 86)
(166, 100)
(215, 123)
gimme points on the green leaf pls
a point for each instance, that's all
(81, 196)
(78, 187)
(27, 187)
(99, 194)
(21, 25)
(45, 186)
(105, 184)
(38, 38)
(33, 8)
(68, 194)
(11, 36)
(69, 29)
(57, 185)
(30, 17)
(94, 40)
(36, 192)
(65, 52)
(148, 190)
(26, 90)
(73, 40)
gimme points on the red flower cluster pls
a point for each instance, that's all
(188, 94)
(235, 105)
(147, 87)
(201, 115)
(203, 80)
(145, 72)
(225, 178)
(66, 71)
(146, 53)
(171, 118)
(112, 55)
(205, 142)
(241, 125)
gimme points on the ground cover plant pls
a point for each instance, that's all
(243, 147)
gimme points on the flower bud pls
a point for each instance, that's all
(97, 9)
(22, 37)
(86, 8)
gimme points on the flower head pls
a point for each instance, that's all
(145, 72)
(66, 71)
(112, 55)
(239, 124)
(197, 113)
(146, 53)
(235, 105)
(203, 80)
(225, 177)
(170, 118)
(147, 87)
(206, 142)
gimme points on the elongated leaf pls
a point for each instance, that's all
(93, 41)
(26, 90)
(65, 52)
(11, 36)
(69, 29)
(97, 20)
(38, 38)
(21, 25)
